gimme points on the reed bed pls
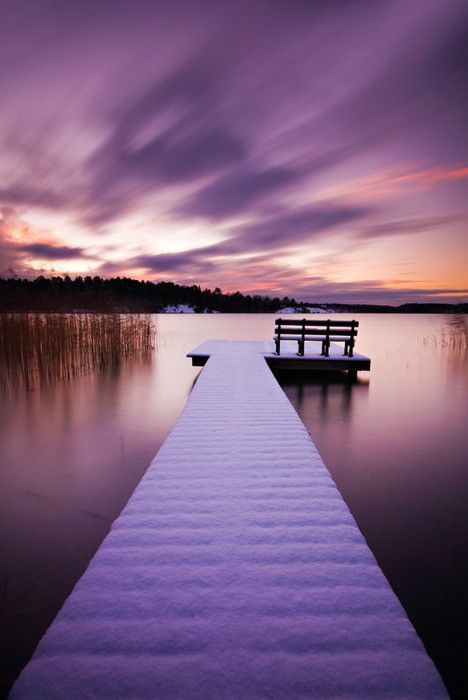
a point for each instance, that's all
(36, 349)
(453, 335)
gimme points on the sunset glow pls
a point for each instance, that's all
(316, 150)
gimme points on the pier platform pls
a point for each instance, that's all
(312, 360)
(235, 571)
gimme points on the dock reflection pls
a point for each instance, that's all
(326, 394)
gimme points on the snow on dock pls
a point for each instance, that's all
(235, 571)
(289, 359)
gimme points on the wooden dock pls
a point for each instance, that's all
(288, 360)
(235, 571)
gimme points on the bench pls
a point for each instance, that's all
(325, 332)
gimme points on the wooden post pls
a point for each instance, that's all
(351, 340)
(278, 336)
(302, 342)
(327, 340)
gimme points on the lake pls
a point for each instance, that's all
(72, 451)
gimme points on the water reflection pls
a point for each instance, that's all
(36, 349)
(331, 393)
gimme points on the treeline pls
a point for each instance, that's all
(415, 308)
(122, 294)
(63, 294)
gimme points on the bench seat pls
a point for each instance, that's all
(324, 332)
(332, 338)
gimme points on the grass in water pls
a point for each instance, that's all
(36, 349)
(453, 335)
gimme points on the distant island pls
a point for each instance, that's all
(125, 295)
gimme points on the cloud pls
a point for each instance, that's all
(173, 134)
(237, 191)
(19, 257)
(192, 262)
(392, 181)
(290, 227)
(12, 261)
(47, 251)
(406, 227)
(283, 229)
(175, 262)
(23, 194)
(250, 250)
(276, 128)
(372, 292)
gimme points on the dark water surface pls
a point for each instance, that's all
(72, 452)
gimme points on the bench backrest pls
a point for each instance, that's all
(306, 327)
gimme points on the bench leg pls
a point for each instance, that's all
(325, 348)
(277, 346)
(346, 348)
(300, 348)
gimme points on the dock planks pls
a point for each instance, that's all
(313, 360)
(235, 571)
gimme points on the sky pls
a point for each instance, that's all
(307, 148)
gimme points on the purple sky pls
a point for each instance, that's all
(311, 148)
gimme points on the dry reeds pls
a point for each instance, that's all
(452, 336)
(38, 348)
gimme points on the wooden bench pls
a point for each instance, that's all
(325, 332)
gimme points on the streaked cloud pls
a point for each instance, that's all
(408, 227)
(294, 147)
(392, 181)
(52, 252)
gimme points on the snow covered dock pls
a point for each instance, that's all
(289, 359)
(235, 571)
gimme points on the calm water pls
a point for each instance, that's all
(395, 442)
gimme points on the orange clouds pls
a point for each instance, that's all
(390, 181)
(27, 250)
